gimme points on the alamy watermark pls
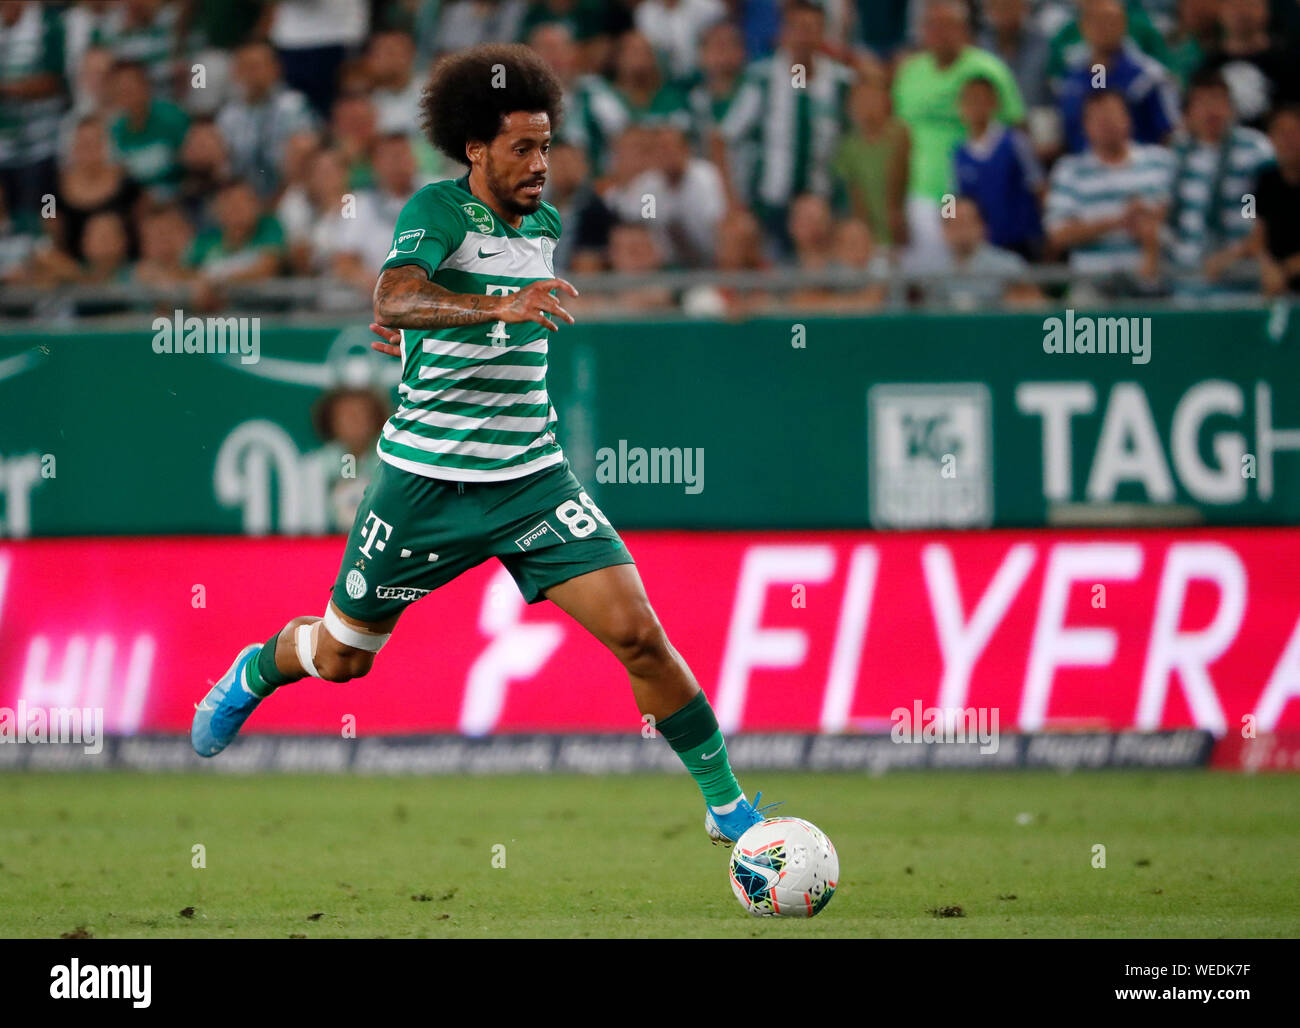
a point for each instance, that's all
(181, 334)
(1085, 334)
(946, 724)
(658, 465)
(81, 725)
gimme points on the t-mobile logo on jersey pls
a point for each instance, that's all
(372, 533)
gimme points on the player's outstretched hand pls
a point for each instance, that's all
(534, 302)
(393, 344)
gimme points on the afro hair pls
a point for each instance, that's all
(470, 93)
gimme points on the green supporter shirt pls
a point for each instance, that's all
(151, 154)
(863, 167)
(926, 99)
(474, 404)
(211, 254)
(1068, 45)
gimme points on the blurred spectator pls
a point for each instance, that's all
(1114, 65)
(17, 247)
(219, 28)
(640, 82)
(328, 228)
(348, 420)
(674, 28)
(633, 251)
(395, 92)
(396, 180)
(740, 248)
(632, 153)
(90, 88)
(820, 246)
(165, 239)
(996, 167)
(104, 248)
(793, 118)
(1069, 51)
(353, 130)
(31, 103)
(465, 23)
(264, 113)
(313, 38)
(1196, 37)
(584, 215)
(1106, 205)
(298, 152)
(1261, 71)
(1010, 35)
(205, 165)
(601, 110)
(148, 132)
(1216, 164)
(144, 32)
(976, 273)
(687, 196)
(245, 244)
(712, 92)
(1278, 198)
(872, 161)
(927, 89)
(855, 250)
(554, 43)
(90, 183)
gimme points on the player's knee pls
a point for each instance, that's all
(338, 663)
(639, 641)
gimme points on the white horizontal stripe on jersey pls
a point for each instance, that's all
(446, 474)
(459, 422)
(472, 396)
(478, 351)
(461, 447)
(518, 372)
(508, 257)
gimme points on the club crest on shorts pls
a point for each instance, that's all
(355, 584)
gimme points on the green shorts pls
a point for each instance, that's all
(413, 534)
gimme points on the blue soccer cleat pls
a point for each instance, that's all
(727, 828)
(223, 711)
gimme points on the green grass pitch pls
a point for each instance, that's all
(1188, 854)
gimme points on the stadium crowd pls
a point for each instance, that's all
(1149, 147)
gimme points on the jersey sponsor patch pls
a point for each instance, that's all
(399, 592)
(535, 534)
(480, 216)
(407, 242)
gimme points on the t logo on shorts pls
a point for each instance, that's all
(371, 534)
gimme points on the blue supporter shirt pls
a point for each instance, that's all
(1000, 173)
(1147, 90)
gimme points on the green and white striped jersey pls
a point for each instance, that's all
(795, 128)
(474, 405)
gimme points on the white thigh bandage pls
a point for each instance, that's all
(304, 641)
(353, 637)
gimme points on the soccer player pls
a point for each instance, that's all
(470, 465)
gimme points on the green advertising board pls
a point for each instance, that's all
(893, 422)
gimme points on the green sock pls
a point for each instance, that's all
(261, 676)
(694, 735)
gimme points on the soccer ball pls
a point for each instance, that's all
(784, 867)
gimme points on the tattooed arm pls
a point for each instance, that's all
(405, 298)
